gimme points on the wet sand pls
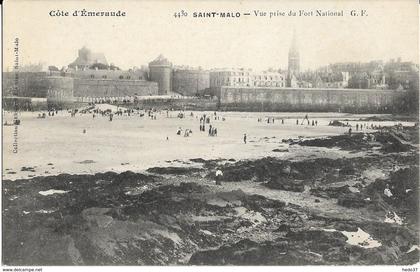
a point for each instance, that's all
(58, 145)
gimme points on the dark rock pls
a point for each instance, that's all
(173, 170)
(282, 183)
(352, 200)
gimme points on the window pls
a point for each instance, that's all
(92, 76)
(104, 76)
(121, 77)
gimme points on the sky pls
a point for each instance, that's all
(390, 30)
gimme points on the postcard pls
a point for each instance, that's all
(210, 133)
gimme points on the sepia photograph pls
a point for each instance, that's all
(210, 133)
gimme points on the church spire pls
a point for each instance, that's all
(294, 58)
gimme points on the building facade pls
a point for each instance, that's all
(246, 78)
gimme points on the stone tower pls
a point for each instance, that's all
(294, 59)
(160, 71)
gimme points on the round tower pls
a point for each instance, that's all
(161, 72)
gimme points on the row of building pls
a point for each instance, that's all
(90, 78)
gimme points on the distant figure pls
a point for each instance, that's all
(350, 132)
(306, 118)
(167, 138)
(219, 175)
(245, 138)
(313, 123)
(387, 191)
(316, 122)
(297, 122)
(84, 131)
(357, 127)
(282, 121)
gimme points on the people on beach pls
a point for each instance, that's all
(306, 118)
(245, 138)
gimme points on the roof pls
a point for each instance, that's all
(160, 60)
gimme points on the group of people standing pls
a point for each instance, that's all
(212, 131)
(187, 132)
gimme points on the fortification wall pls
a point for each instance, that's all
(190, 82)
(291, 99)
(25, 84)
(60, 88)
(113, 88)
